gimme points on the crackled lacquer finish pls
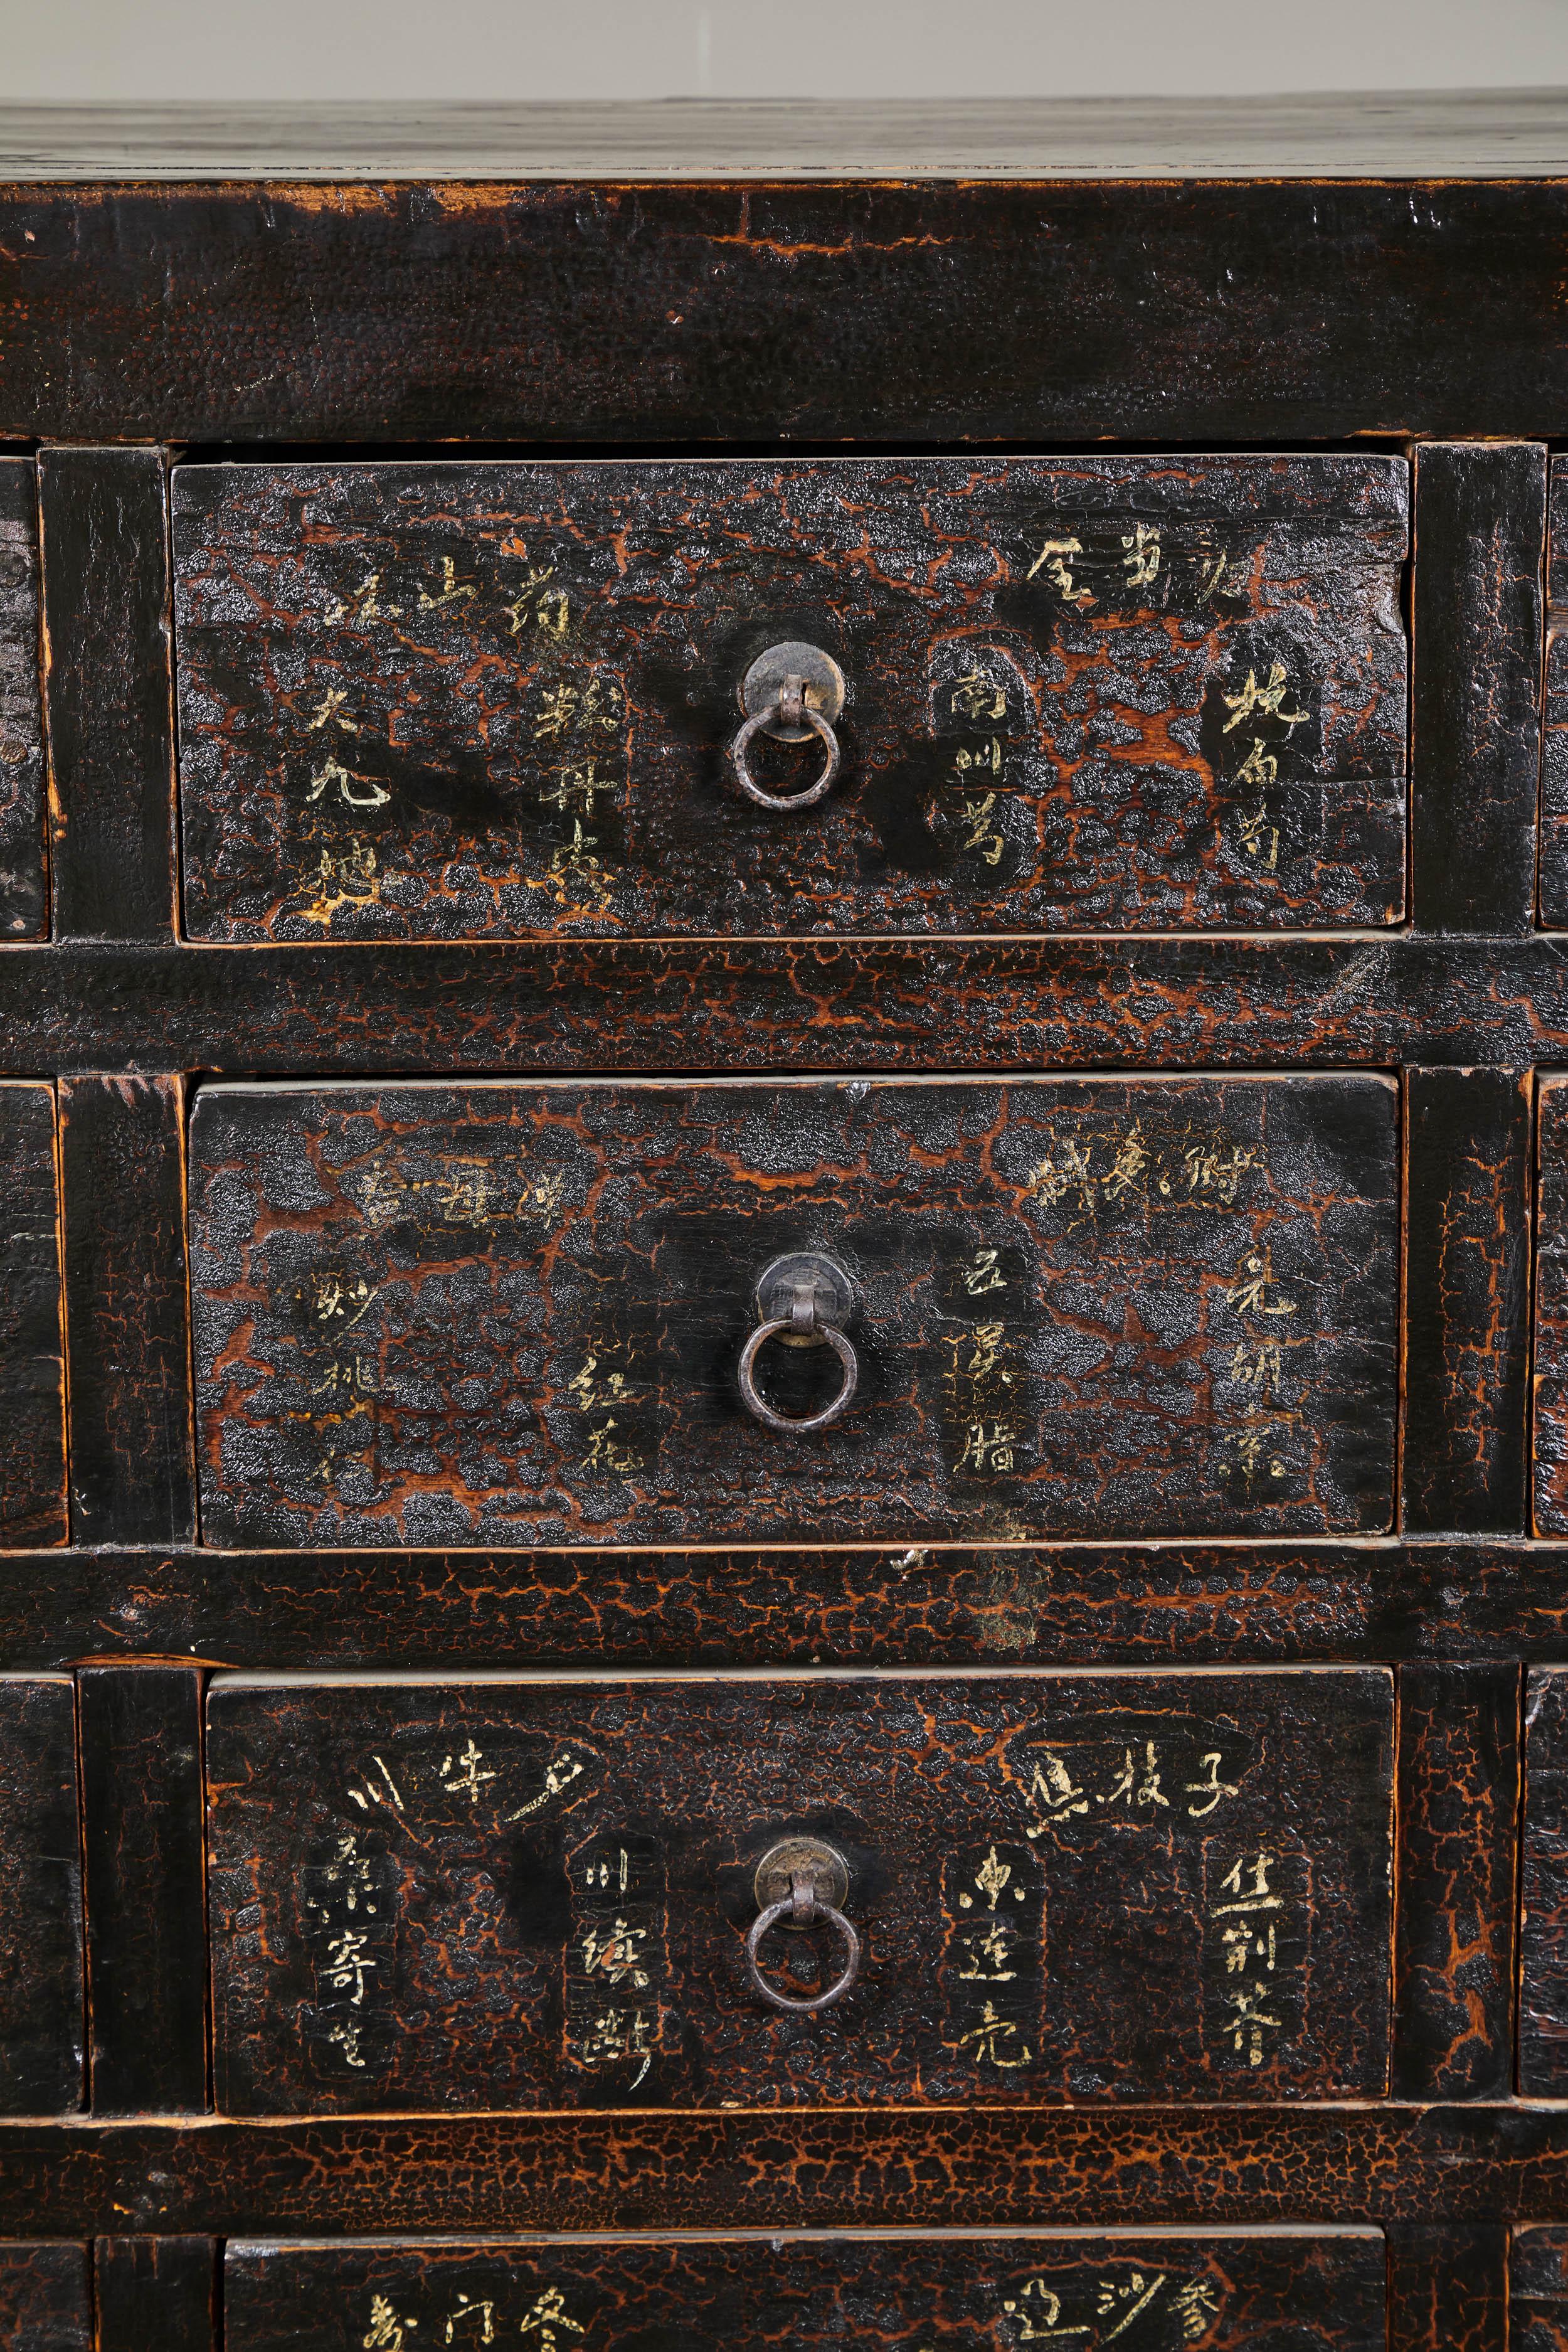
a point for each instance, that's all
(1150, 2294)
(1553, 861)
(1544, 1891)
(46, 2304)
(1551, 1359)
(515, 1894)
(497, 700)
(498, 1313)
(32, 1364)
(40, 1899)
(1538, 2289)
(22, 908)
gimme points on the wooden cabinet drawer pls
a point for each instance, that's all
(1543, 1890)
(497, 1893)
(506, 1313)
(460, 701)
(1550, 1434)
(41, 1976)
(23, 914)
(46, 2301)
(1321, 2293)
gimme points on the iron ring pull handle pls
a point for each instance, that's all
(791, 710)
(802, 1285)
(803, 1907)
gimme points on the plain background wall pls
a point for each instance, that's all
(499, 50)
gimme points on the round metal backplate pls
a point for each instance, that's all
(776, 1870)
(824, 685)
(775, 1287)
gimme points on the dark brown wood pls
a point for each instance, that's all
(147, 1967)
(960, 2168)
(1480, 524)
(1466, 1301)
(598, 1005)
(1127, 1604)
(1550, 1432)
(471, 1315)
(1154, 2294)
(461, 700)
(1554, 879)
(891, 313)
(1454, 1942)
(46, 2303)
(41, 1986)
(1544, 1891)
(24, 912)
(121, 1150)
(32, 1353)
(1447, 2287)
(504, 1894)
(1538, 2289)
(107, 688)
(155, 2294)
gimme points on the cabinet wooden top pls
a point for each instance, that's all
(1401, 134)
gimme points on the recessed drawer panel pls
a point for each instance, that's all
(809, 1888)
(497, 701)
(604, 1313)
(41, 1976)
(44, 2300)
(23, 911)
(1172, 2293)
(33, 1508)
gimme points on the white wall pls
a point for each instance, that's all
(412, 49)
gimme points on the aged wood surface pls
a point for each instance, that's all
(1550, 1369)
(924, 2168)
(1374, 1599)
(23, 910)
(1554, 875)
(897, 313)
(106, 691)
(32, 1355)
(1538, 2289)
(1476, 717)
(141, 1821)
(600, 1005)
(1459, 1785)
(459, 700)
(127, 1321)
(155, 2294)
(1447, 2286)
(41, 1984)
(1543, 1892)
(1467, 1299)
(500, 1313)
(493, 1894)
(45, 2304)
(1152, 2294)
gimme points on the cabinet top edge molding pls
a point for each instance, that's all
(1446, 134)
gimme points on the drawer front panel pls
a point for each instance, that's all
(33, 1505)
(1538, 2289)
(41, 1976)
(1323, 2294)
(517, 1313)
(498, 701)
(1553, 868)
(23, 914)
(44, 2300)
(504, 1893)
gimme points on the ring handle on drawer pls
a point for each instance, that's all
(811, 1875)
(801, 1300)
(791, 692)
